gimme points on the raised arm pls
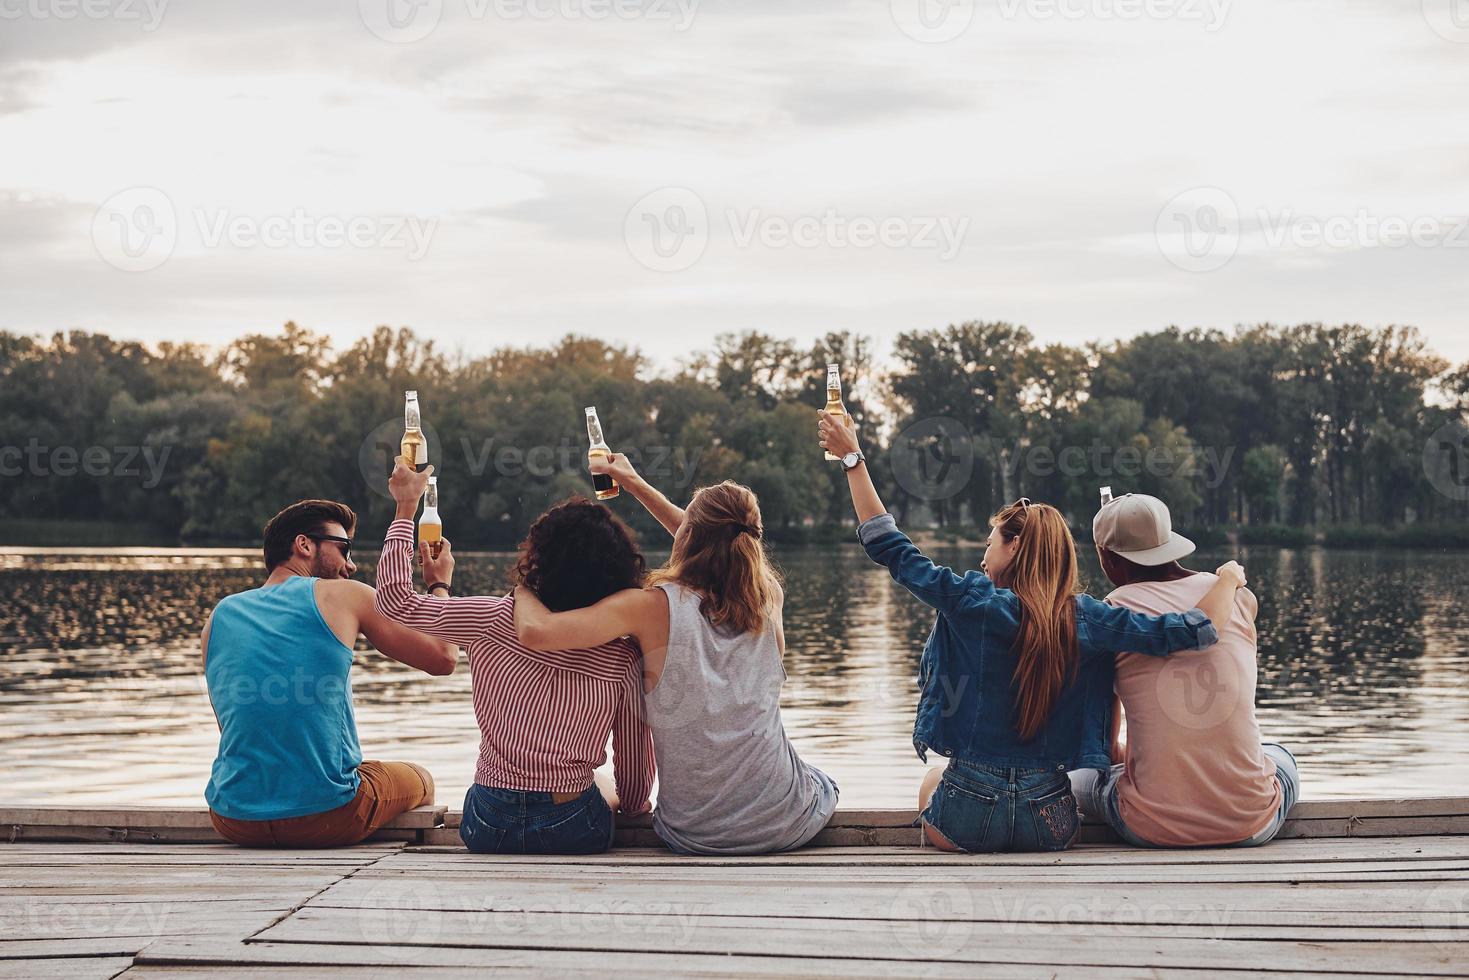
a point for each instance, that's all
(934, 584)
(621, 469)
(840, 438)
(460, 620)
(631, 612)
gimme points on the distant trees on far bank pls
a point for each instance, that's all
(1267, 425)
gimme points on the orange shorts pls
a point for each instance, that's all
(387, 789)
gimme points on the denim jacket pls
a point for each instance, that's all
(966, 706)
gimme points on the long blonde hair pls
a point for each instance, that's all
(720, 554)
(1043, 576)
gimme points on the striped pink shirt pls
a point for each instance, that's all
(543, 718)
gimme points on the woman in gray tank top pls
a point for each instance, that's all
(709, 624)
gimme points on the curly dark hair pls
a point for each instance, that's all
(577, 554)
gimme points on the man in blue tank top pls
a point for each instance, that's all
(289, 772)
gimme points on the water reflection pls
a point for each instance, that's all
(1363, 671)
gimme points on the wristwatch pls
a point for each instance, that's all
(850, 461)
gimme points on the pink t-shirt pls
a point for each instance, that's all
(1195, 772)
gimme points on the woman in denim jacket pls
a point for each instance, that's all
(1016, 676)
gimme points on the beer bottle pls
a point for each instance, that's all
(834, 406)
(415, 446)
(430, 526)
(603, 483)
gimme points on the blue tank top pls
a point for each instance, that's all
(279, 681)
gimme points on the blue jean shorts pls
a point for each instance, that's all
(512, 821)
(983, 809)
(1097, 791)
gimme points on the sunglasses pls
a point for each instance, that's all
(346, 543)
(1022, 503)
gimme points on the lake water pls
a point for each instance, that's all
(1364, 673)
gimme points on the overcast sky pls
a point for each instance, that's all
(660, 171)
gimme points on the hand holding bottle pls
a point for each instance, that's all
(838, 434)
(438, 562)
(407, 487)
(615, 465)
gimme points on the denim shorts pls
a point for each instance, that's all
(512, 821)
(1097, 791)
(982, 809)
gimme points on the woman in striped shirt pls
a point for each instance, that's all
(730, 782)
(544, 719)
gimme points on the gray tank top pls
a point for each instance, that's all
(729, 780)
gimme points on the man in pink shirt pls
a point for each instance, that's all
(1194, 772)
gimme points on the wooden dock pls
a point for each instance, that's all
(1358, 888)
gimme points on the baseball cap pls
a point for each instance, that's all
(1138, 528)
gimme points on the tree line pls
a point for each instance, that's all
(1265, 426)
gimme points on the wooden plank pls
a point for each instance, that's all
(149, 835)
(901, 939)
(271, 957)
(100, 920)
(1299, 850)
(166, 817)
(1100, 874)
(36, 949)
(69, 968)
(553, 964)
(999, 900)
